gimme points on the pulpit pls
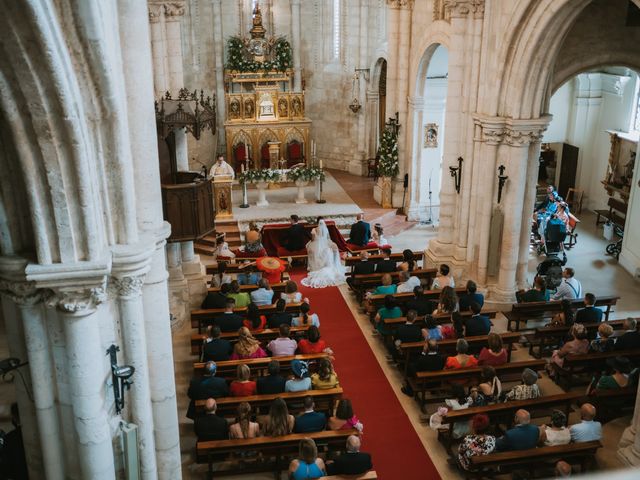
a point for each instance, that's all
(222, 196)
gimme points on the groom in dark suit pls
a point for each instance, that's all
(360, 232)
(296, 237)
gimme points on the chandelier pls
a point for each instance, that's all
(189, 110)
(355, 105)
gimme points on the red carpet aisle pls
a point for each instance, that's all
(388, 435)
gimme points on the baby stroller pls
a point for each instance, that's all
(555, 233)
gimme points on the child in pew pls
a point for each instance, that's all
(344, 417)
(221, 276)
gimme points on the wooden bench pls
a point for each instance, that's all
(227, 368)
(265, 336)
(443, 379)
(398, 257)
(279, 449)
(238, 267)
(325, 401)
(377, 301)
(200, 317)
(542, 457)
(521, 312)
(370, 475)
(276, 287)
(616, 213)
(369, 280)
(588, 363)
(613, 403)
(502, 413)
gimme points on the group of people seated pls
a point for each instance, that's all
(569, 288)
(551, 218)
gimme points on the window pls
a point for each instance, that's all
(336, 29)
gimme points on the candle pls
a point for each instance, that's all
(242, 167)
(246, 152)
(320, 164)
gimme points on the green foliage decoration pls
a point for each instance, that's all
(388, 154)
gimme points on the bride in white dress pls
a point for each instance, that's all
(325, 267)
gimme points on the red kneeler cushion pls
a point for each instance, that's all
(283, 252)
(241, 254)
(358, 248)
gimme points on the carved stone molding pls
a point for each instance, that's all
(23, 293)
(173, 10)
(516, 133)
(77, 301)
(462, 8)
(127, 287)
(399, 4)
(522, 137)
(155, 12)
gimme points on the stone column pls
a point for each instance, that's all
(393, 39)
(414, 152)
(218, 42)
(173, 13)
(629, 446)
(156, 22)
(296, 45)
(372, 112)
(194, 273)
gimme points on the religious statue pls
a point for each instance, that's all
(234, 109)
(248, 108)
(283, 108)
(297, 107)
(257, 45)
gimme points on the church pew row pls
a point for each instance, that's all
(264, 336)
(351, 261)
(239, 267)
(521, 312)
(546, 337)
(442, 380)
(200, 317)
(377, 301)
(534, 460)
(588, 363)
(227, 368)
(276, 287)
(325, 401)
(502, 413)
(611, 404)
(362, 282)
(370, 475)
(276, 452)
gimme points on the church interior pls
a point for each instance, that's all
(353, 239)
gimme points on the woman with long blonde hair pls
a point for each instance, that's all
(244, 427)
(247, 346)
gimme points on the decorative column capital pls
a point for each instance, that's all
(155, 12)
(127, 287)
(401, 4)
(77, 301)
(516, 133)
(174, 10)
(24, 294)
(462, 8)
(492, 129)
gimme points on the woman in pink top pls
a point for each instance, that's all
(344, 418)
(496, 354)
(247, 346)
(576, 346)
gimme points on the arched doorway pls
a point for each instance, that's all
(376, 106)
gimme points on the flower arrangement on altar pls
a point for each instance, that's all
(239, 59)
(388, 154)
(306, 174)
(259, 175)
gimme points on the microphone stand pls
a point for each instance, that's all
(429, 221)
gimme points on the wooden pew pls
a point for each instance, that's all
(238, 267)
(370, 280)
(424, 381)
(370, 475)
(279, 449)
(397, 256)
(542, 457)
(377, 301)
(613, 403)
(616, 214)
(588, 363)
(199, 317)
(265, 336)
(276, 287)
(521, 312)
(502, 413)
(325, 401)
(227, 368)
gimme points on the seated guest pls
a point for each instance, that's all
(443, 279)
(247, 277)
(448, 301)
(221, 276)
(216, 299)
(313, 343)
(253, 244)
(570, 288)
(590, 313)
(461, 360)
(215, 348)
(420, 302)
(432, 330)
(229, 321)
(305, 317)
(308, 465)
(470, 296)
(630, 339)
(243, 386)
(244, 427)
(222, 249)
(620, 378)
(360, 232)
(477, 443)
(206, 386)
(210, 426)
(364, 266)
(577, 345)
(408, 261)
(278, 422)
(477, 324)
(377, 236)
(527, 390)
(310, 420)
(557, 433)
(291, 293)
(255, 321)
(386, 265)
(587, 430)
(390, 310)
(283, 345)
(604, 341)
(280, 317)
(263, 295)
(300, 381)
(490, 387)
(496, 354)
(344, 419)
(428, 361)
(242, 298)
(565, 316)
(522, 437)
(272, 383)
(353, 462)
(538, 293)
(406, 282)
(409, 331)
(326, 377)
(247, 346)
(296, 237)
(387, 287)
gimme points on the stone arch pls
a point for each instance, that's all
(437, 34)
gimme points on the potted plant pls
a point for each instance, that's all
(302, 176)
(261, 178)
(387, 164)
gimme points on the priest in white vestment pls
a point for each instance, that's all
(222, 168)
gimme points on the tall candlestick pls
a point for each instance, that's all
(242, 167)
(320, 164)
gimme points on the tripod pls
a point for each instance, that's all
(429, 221)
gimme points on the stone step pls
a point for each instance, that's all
(203, 249)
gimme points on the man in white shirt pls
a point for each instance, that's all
(570, 288)
(407, 282)
(264, 294)
(221, 168)
(587, 430)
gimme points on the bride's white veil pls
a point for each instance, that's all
(324, 264)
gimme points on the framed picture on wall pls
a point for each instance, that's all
(431, 135)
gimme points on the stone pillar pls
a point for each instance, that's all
(414, 152)
(393, 39)
(194, 273)
(372, 112)
(296, 45)
(218, 42)
(156, 22)
(173, 13)
(629, 446)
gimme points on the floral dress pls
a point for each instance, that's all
(473, 445)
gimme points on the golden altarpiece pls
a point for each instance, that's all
(265, 124)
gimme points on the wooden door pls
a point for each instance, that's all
(568, 169)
